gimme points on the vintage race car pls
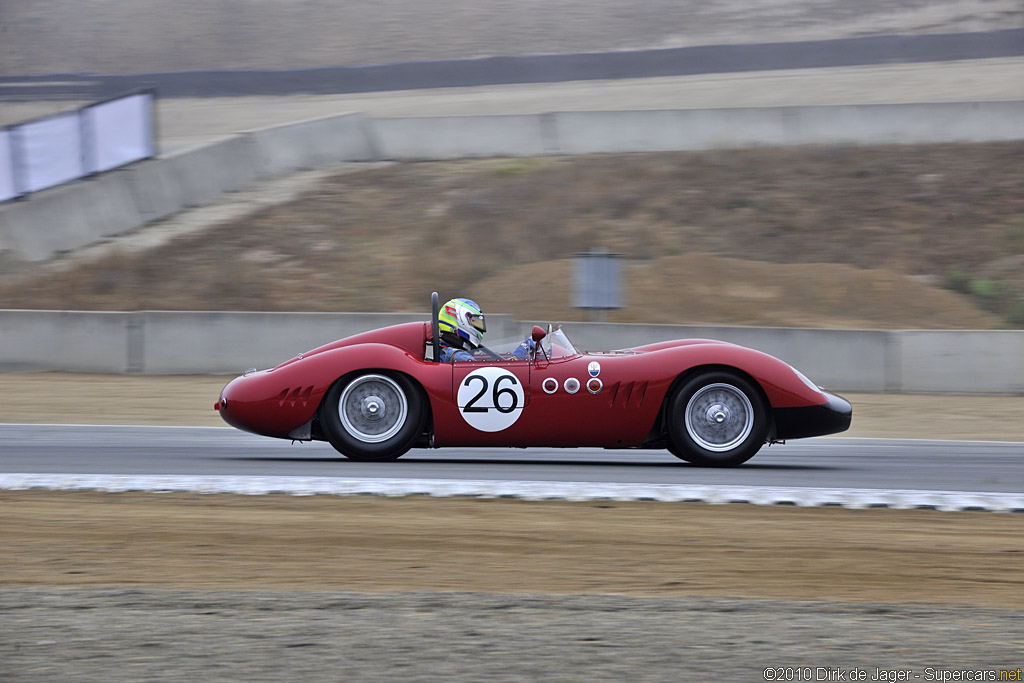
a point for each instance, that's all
(375, 395)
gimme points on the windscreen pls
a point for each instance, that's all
(557, 345)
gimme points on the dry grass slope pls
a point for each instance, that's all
(830, 236)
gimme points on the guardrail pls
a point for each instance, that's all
(69, 217)
(197, 342)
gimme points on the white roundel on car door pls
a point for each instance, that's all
(490, 399)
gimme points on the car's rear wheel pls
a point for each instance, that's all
(717, 419)
(373, 416)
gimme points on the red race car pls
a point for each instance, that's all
(375, 395)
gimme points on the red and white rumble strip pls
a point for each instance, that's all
(527, 490)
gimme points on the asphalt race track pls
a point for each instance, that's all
(206, 451)
(865, 50)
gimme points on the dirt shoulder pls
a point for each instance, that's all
(65, 398)
(370, 544)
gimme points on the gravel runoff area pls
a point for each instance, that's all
(139, 634)
(167, 587)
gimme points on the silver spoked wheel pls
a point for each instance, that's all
(719, 417)
(373, 408)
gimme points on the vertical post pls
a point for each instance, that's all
(596, 283)
(435, 329)
(8, 172)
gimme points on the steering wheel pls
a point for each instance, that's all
(490, 354)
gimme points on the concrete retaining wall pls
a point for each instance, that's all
(175, 342)
(591, 132)
(960, 360)
(854, 360)
(181, 342)
(71, 216)
(312, 144)
(69, 341)
(458, 137)
(68, 217)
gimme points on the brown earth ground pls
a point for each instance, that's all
(370, 544)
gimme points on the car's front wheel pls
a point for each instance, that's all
(717, 419)
(373, 416)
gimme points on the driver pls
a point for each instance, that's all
(462, 327)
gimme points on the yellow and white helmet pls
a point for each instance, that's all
(462, 317)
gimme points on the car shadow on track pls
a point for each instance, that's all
(532, 462)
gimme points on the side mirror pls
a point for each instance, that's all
(537, 335)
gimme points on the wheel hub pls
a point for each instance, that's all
(717, 414)
(373, 408)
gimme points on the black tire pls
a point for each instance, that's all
(373, 415)
(717, 419)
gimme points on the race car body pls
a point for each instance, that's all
(375, 395)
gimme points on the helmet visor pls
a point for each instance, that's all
(477, 321)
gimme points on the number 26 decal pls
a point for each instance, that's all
(496, 399)
(490, 399)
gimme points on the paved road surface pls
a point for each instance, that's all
(828, 462)
(866, 50)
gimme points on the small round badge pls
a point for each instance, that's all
(594, 385)
(572, 385)
(550, 385)
(594, 368)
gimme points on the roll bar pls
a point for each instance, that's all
(435, 329)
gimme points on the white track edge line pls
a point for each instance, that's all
(526, 490)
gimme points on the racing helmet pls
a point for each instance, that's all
(462, 318)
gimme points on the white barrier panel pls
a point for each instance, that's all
(51, 151)
(7, 188)
(120, 132)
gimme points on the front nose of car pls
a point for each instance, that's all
(234, 405)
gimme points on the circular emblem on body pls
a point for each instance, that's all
(490, 399)
(572, 385)
(550, 385)
(594, 368)
(594, 385)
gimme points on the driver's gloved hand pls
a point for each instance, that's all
(523, 350)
